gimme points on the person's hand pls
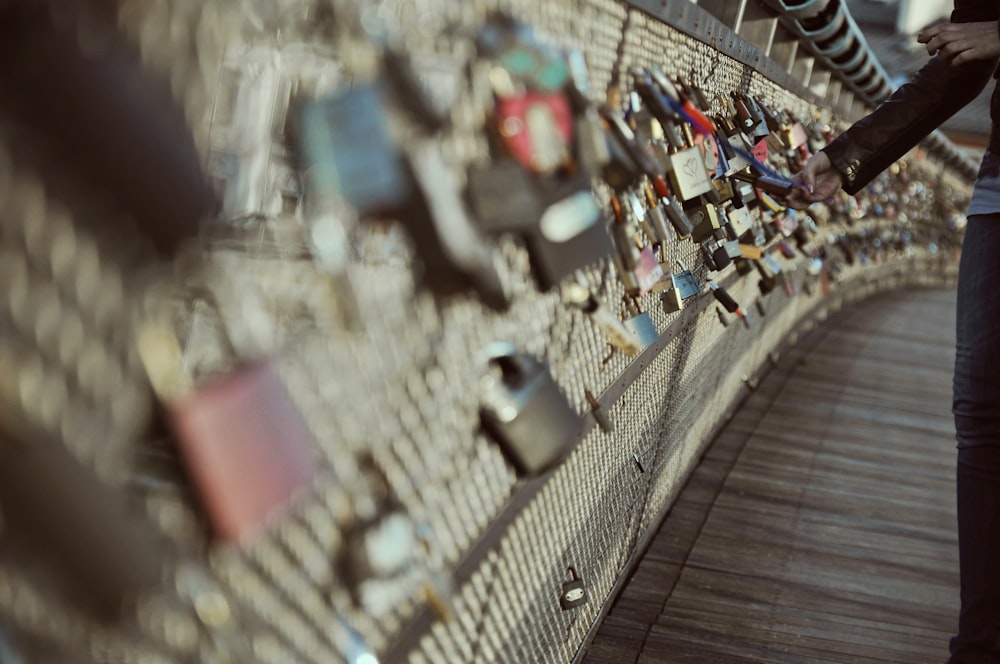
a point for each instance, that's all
(819, 180)
(956, 43)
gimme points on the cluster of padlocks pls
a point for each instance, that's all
(462, 327)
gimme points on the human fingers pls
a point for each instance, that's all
(798, 200)
(927, 34)
(968, 55)
(937, 42)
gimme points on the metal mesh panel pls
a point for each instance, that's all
(387, 376)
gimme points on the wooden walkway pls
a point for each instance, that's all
(820, 525)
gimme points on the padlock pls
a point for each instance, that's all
(649, 273)
(247, 449)
(688, 177)
(380, 547)
(682, 104)
(745, 117)
(704, 217)
(593, 149)
(574, 592)
(672, 208)
(503, 197)
(723, 190)
(768, 266)
(671, 298)
(766, 285)
(740, 220)
(724, 298)
(536, 128)
(708, 259)
(732, 248)
(525, 412)
(628, 254)
(751, 252)
(686, 282)
(379, 560)
(726, 122)
(570, 233)
(656, 218)
(639, 213)
(640, 324)
(743, 266)
(631, 143)
(727, 301)
(721, 257)
(346, 145)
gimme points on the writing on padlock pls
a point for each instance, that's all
(574, 592)
(525, 412)
(246, 447)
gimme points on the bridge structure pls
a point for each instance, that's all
(447, 332)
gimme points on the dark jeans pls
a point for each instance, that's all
(977, 420)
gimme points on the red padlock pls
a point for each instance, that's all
(246, 447)
(537, 129)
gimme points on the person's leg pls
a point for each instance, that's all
(977, 421)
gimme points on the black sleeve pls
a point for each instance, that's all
(935, 93)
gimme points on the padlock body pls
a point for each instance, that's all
(688, 177)
(643, 328)
(570, 233)
(348, 148)
(574, 594)
(246, 447)
(536, 128)
(503, 197)
(705, 219)
(543, 429)
(741, 221)
(671, 300)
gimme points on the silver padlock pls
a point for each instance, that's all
(525, 412)
(574, 592)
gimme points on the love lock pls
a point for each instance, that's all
(574, 592)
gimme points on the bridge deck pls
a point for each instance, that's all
(820, 525)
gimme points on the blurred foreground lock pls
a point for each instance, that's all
(246, 447)
(526, 413)
(60, 513)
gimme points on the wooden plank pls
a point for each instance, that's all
(820, 525)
